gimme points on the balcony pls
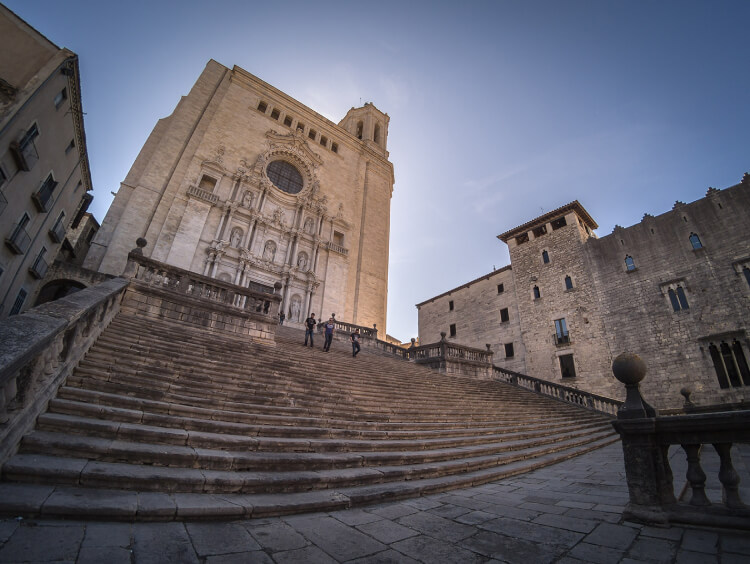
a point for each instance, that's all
(561, 340)
(57, 233)
(201, 194)
(43, 197)
(338, 249)
(19, 240)
(39, 268)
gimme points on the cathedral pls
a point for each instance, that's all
(247, 185)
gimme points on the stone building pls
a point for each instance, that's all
(245, 184)
(675, 289)
(44, 169)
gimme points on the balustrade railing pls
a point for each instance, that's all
(202, 194)
(166, 277)
(337, 248)
(646, 438)
(567, 394)
(344, 327)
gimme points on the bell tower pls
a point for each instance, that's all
(368, 124)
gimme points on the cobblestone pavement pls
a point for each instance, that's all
(566, 513)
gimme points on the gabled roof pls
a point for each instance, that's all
(549, 216)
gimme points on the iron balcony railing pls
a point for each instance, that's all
(19, 240)
(57, 232)
(39, 268)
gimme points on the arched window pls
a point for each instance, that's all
(568, 283)
(683, 299)
(545, 257)
(695, 241)
(360, 127)
(629, 263)
(746, 272)
(376, 136)
(673, 300)
(537, 293)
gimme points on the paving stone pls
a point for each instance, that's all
(7, 528)
(385, 557)
(108, 554)
(688, 557)
(612, 536)
(335, 538)
(437, 527)
(668, 533)
(387, 531)
(423, 503)
(156, 543)
(108, 535)
(308, 555)
(575, 504)
(510, 549)
(428, 549)
(220, 538)
(696, 540)
(735, 544)
(449, 511)
(393, 511)
(355, 516)
(594, 553)
(652, 550)
(78, 502)
(595, 515)
(566, 522)
(255, 557)
(202, 506)
(475, 517)
(512, 512)
(532, 532)
(733, 559)
(468, 502)
(276, 536)
(24, 499)
(40, 543)
(541, 508)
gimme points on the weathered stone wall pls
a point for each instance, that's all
(476, 313)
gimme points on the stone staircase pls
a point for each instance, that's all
(163, 421)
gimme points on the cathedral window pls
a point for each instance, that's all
(360, 127)
(285, 176)
(323, 140)
(311, 134)
(453, 329)
(335, 147)
(695, 241)
(545, 257)
(376, 136)
(262, 107)
(730, 364)
(450, 305)
(288, 121)
(275, 114)
(568, 283)
(558, 223)
(537, 293)
(629, 263)
(509, 350)
(504, 316)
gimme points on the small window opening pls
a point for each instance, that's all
(522, 238)
(561, 331)
(682, 298)
(684, 219)
(262, 107)
(288, 121)
(567, 366)
(71, 146)
(719, 204)
(652, 231)
(300, 126)
(453, 329)
(450, 305)
(18, 304)
(558, 223)
(545, 257)
(673, 300)
(504, 316)
(539, 231)
(509, 350)
(323, 140)
(61, 97)
(338, 238)
(501, 287)
(311, 134)
(376, 136)
(335, 147)
(695, 241)
(207, 183)
(275, 114)
(537, 293)
(746, 272)
(730, 364)
(568, 283)
(360, 126)
(629, 263)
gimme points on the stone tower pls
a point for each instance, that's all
(246, 184)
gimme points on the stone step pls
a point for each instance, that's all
(42, 468)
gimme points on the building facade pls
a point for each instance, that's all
(674, 289)
(245, 184)
(44, 170)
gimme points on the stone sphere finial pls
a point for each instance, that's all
(442, 335)
(686, 392)
(276, 286)
(141, 242)
(629, 368)
(488, 345)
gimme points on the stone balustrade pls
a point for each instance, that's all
(202, 194)
(348, 328)
(646, 439)
(337, 248)
(40, 348)
(567, 394)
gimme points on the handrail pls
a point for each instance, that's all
(368, 332)
(560, 392)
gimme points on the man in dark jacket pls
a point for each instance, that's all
(310, 328)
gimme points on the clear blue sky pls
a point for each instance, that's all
(499, 110)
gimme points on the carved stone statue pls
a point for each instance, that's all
(247, 199)
(309, 225)
(302, 261)
(294, 309)
(236, 237)
(269, 251)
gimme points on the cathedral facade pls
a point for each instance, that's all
(247, 185)
(674, 289)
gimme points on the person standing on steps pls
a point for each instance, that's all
(330, 327)
(355, 342)
(282, 317)
(310, 324)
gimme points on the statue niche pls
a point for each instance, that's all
(295, 308)
(302, 261)
(236, 237)
(269, 251)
